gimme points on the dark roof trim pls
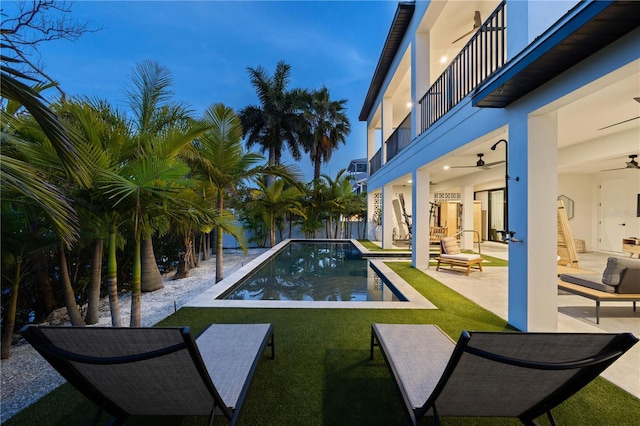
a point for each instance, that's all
(399, 26)
(573, 38)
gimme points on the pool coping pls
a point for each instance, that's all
(207, 299)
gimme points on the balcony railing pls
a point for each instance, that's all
(478, 59)
(399, 139)
(376, 162)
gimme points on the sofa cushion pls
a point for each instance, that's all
(450, 245)
(461, 256)
(593, 283)
(630, 278)
(613, 272)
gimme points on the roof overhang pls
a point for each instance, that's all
(583, 31)
(399, 26)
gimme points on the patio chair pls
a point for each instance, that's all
(492, 374)
(157, 371)
(450, 254)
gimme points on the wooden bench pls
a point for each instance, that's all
(599, 296)
(477, 262)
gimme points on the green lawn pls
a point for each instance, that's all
(322, 374)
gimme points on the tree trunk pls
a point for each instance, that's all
(192, 254)
(219, 267)
(136, 299)
(272, 231)
(182, 271)
(206, 250)
(150, 277)
(69, 296)
(92, 315)
(46, 298)
(112, 280)
(317, 161)
(10, 320)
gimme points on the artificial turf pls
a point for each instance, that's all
(322, 374)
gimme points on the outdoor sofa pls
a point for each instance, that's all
(620, 282)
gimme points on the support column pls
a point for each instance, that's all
(467, 217)
(420, 60)
(420, 214)
(533, 289)
(387, 217)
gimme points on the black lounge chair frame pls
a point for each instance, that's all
(65, 362)
(585, 370)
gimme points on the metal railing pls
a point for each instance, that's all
(375, 163)
(478, 59)
(399, 139)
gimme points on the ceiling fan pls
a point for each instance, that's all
(479, 164)
(631, 164)
(477, 22)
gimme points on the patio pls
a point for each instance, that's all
(575, 313)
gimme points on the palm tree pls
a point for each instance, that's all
(143, 187)
(326, 125)
(275, 122)
(275, 200)
(106, 139)
(337, 196)
(221, 165)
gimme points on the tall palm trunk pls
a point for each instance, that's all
(69, 296)
(10, 320)
(150, 278)
(92, 317)
(272, 229)
(136, 299)
(112, 280)
(219, 266)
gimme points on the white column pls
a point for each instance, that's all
(420, 216)
(542, 230)
(420, 61)
(533, 289)
(466, 196)
(387, 217)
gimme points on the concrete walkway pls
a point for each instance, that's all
(575, 313)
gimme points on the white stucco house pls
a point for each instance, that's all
(502, 107)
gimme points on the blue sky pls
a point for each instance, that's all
(208, 46)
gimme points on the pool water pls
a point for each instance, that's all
(315, 271)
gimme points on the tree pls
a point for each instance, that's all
(326, 125)
(275, 200)
(222, 165)
(275, 122)
(144, 186)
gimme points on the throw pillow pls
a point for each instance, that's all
(450, 245)
(613, 272)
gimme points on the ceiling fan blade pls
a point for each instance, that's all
(463, 167)
(494, 163)
(477, 22)
(463, 36)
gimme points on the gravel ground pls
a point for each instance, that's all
(27, 377)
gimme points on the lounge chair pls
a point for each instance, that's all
(450, 254)
(157, 371)
(492, 374)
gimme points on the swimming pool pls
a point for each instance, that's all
(377, 286)
(311, 270)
